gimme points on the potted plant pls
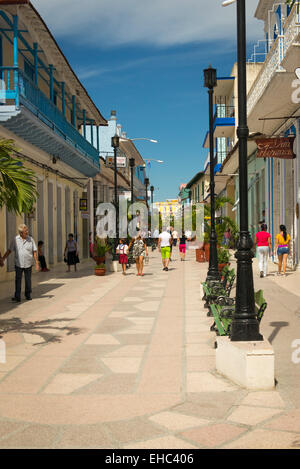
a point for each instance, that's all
(100, 249)
(206, 246)
(223, 258)
(100, 269)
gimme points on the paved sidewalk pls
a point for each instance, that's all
(129, 362)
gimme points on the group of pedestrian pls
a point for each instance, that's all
(263, 247)
(28, 254)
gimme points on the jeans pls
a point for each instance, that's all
(263, 254)
(27, 275)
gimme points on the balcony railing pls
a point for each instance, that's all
(16, 88)
(223, 111)
(275, 56)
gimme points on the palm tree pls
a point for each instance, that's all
(17, 183)
(222, 223)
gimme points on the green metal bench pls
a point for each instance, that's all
(223, 288)
(223, 315)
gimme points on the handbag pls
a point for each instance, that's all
(65, 259)
(146, 260)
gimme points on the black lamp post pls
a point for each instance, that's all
(152, 190)
(132, 165)
(213, 276)
(245, 326)
(115, 143)
(146, 185)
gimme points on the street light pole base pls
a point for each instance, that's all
(245, 330)
(249, 364)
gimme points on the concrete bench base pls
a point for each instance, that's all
(248, 364)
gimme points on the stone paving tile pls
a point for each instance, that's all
(209, 405)
(66, 383)
(102, 339)
(12, 361)
(199, 350)
(207, 382)
(245, 415)
(266, 439)
(197, 364)
(128, 351)
(132, 430)
(213, 436)
(290, 421)
(175, 421)
(148, 306)
(115, 383)
(169, 442)
(112, 325)
(264, 399)
(31, 437)
(8, 427)
(134, 339)
(123, 364)
(85, 437)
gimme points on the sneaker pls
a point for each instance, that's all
(166, 269)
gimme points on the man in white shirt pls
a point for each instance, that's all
(25, 251)
(164, 246)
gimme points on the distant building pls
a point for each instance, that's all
(170, 207)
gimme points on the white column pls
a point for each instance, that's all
(91, 206)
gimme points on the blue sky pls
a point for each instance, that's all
(145, 60)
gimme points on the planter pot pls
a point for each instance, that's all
(206, 250)
(221, 266)
(100, 272)
(99, 260)
(200, 255)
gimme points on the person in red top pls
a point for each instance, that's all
(263, 244)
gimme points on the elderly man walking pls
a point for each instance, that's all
(25, 251)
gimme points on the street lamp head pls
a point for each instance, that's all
(227, 2)
(146, 182)
(131, 162)
(152, 188)
(115, 141)
(210, 77)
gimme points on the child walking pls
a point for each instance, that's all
(122, 250)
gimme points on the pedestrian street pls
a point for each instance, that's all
(128, 362)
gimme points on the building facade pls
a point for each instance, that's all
(43, 108)
(273, 101)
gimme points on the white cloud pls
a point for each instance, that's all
(161, 23)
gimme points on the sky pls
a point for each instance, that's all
(145, 59)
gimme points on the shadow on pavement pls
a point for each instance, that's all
(38, 291)
(277, 326)
(39, 328)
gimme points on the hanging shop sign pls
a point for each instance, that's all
(276, 148)
(121, 162)
(83, 205)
